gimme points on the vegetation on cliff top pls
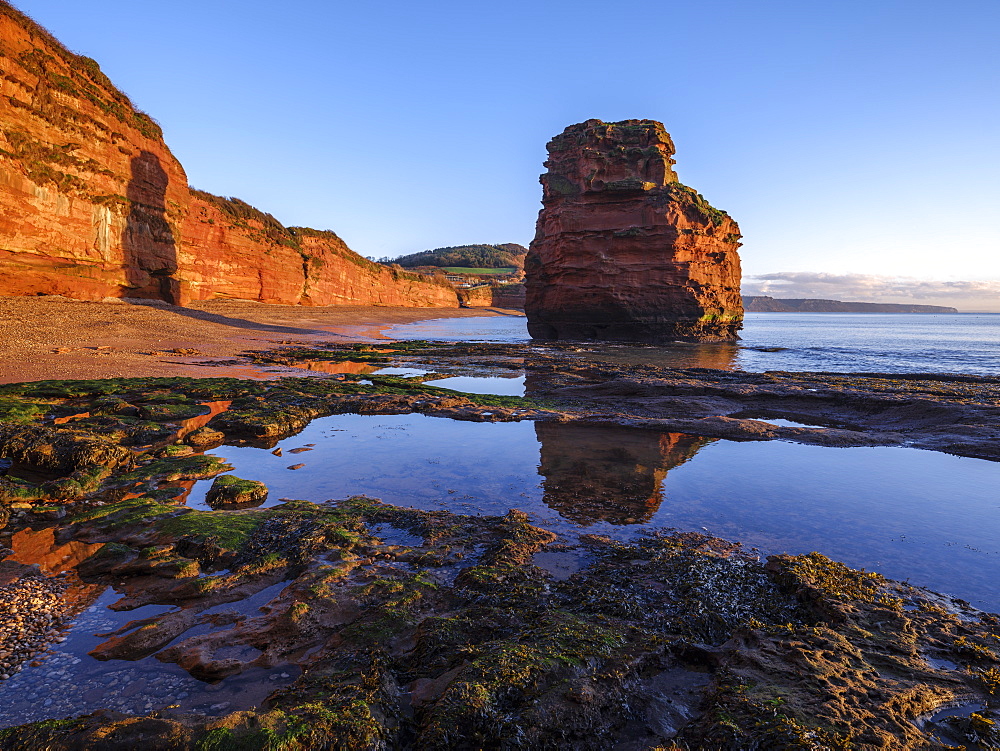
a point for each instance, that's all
(72, 130)
(72, 74)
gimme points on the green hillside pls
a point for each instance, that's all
(473, 270)
(504, 255)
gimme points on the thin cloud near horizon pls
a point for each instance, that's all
(964, 295)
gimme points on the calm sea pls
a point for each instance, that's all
(907, 513)
(836, 342)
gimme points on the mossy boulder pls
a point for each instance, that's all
(57, 451)
(257, 420)
(176, 450)
(109, 557)
(113, 405)
(229, 491)
(205, 438)
(175, 467)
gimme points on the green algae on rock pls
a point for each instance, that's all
(83, 430)
(229, 491)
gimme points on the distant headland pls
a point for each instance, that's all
(765, 304)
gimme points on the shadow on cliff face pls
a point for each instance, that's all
(611, 474)
(148, 243)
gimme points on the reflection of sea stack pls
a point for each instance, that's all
(624, 252)
(597, 473)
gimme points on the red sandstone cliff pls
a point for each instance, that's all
(622, 250)
(94, 205)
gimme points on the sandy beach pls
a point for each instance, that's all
(53, 337)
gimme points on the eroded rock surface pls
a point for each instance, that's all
(622, 250)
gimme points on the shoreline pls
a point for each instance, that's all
(55, 338)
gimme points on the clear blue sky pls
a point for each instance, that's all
(852, 140)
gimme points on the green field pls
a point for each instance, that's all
(465, 270)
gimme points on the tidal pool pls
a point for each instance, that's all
(68, 681)
(922, 516)
(927, 517)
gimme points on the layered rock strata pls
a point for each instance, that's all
(93, 204)
(622, 250)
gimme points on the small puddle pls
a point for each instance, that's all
(69, 418)
(951, 725)
(192, 424)
(402, 372)
(247, 606)
(562, 564)
(390, 535)
(781, 422)
(183, 488)
(497, 386)
(939, 663)
(39, 547)
(336, 368)
(957, 710)
(786, 423)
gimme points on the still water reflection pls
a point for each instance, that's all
(608, 474)
(345, 366)
(510, 386)
(70, 682)
(926, 516)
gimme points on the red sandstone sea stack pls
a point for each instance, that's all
(622, 250)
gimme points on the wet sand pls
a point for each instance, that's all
(53, 337)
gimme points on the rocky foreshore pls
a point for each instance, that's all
(360, 624)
